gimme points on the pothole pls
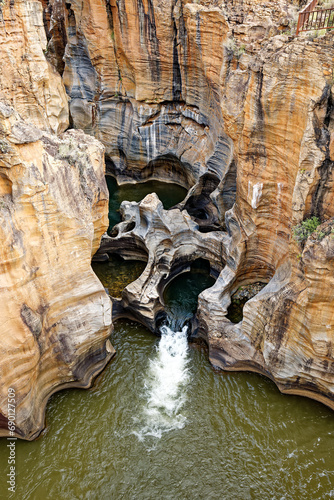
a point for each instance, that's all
(181, 294)
(117, 273)
(170, 195)
(239, 299)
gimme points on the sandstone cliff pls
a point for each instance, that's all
(222, 99)
(27, 80)
(55, 314)
(218, 98)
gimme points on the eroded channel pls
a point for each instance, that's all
(160, 422)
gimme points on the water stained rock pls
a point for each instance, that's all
(172, 241)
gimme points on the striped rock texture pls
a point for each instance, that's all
(217, 97)
(56, 317)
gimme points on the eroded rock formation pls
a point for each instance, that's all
(27, 80)
(222, 99)
(250, 123)
(56, 317)
(170, 241)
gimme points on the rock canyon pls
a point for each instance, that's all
(218, 97)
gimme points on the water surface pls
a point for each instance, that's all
(241, 438)
(117, 273)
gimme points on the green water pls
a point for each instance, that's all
(181, 294)
(169, 194)
(235, 310)
(118, 273)
(242, 439)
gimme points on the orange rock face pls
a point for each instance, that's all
(27, 80)
(212, 97)
(56, 315)
(282, 144)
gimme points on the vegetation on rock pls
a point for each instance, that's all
(302, 231)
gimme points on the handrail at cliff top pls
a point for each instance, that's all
(310, 19)
(310, 6)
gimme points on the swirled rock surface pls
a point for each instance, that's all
(169, 240)
(56, 317)
(224, 100)
(27, 80)
(282, 136)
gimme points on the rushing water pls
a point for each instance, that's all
(165, 386)
(169, 194)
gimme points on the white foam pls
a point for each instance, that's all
(166, 385)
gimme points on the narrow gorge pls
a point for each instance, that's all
(205, 130)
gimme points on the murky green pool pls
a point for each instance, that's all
(241, 439)
(118, 273)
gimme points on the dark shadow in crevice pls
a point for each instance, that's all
(239, 299)
(181, 289)
(201, 207)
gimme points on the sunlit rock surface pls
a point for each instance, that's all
(27, 80)
(284, 168)
(224, 101)
(145, 80)
(55, 314)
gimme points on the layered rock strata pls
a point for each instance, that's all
(145, 80)
(56, 317)
(27, 80)
(211, 97)
(282, 140)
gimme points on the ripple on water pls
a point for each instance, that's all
(242, 438)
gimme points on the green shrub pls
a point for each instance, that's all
(234, 49)
(320, 235)
(302, 231)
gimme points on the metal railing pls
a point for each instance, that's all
(315, 19)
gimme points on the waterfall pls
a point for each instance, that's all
(165, 386)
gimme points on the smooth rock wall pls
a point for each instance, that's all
(27, 81)
(56, 316)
